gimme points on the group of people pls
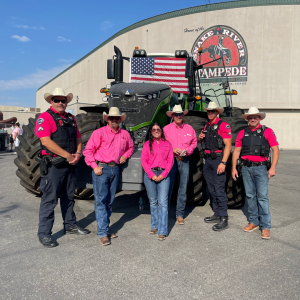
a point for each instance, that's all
(165, 154)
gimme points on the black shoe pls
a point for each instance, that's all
(48, 242)
(223, 224)
(212, 219)
(77, 230)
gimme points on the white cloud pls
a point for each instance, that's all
(34, 80)
(21, 38)
(106, 25)
(28, 27)
(62, 39)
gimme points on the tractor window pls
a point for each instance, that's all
(214, 82)
(177, 99)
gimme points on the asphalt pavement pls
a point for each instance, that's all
(194, 262)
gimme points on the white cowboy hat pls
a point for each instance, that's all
(176, 109)
(253, 111)
(58, 92)
(114, 112)
(214, 106)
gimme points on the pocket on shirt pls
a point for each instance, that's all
(187, 140)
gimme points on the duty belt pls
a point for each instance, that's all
(249, 163)
(157, 169)
(110, 164)
(213, 155)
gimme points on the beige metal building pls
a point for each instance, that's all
(264, 65)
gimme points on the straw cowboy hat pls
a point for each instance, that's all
(114, 112)
(214, 106)
(58, 92)
(176, 109)
(253, 111)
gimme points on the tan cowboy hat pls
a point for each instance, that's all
(176, 109)
(253, 111)
(58, 92)
(114, 112)
(214, 106)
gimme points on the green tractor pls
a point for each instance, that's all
(143, 104)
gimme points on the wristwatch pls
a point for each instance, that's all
(224, 163)
(79, 153)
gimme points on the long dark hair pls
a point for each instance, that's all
(151, 136)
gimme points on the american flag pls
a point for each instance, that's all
(164, 70)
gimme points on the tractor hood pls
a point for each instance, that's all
(139, 101)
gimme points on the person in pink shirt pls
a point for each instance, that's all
(59, 136)
(108, 148)
(184, 141)
(157, 160)
(16, 132)
(253, 145)
(216, 142)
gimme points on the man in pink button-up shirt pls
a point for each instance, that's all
(107, 148)
(183, 139)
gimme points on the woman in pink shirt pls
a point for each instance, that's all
(157, 160)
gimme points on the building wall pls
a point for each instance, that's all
(270, 33)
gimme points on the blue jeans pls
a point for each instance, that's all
(183, 167)
(256, 187)
(105, 187)
(158, 198)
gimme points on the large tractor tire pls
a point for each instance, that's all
(196, 189)
(87, 123)
(235, 189)
(29, 170)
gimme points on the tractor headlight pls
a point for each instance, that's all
(139, 53)
(181, 54)
(154, 96)
(149, 97)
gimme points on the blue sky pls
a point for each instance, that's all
(40, 38)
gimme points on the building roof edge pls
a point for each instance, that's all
(180, 13)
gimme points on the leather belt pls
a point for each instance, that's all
(180, 158)
(157, 169)
(110, 164)
(250, 164)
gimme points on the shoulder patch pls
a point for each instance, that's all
(41, 128)
(40, 121)
(227, 126)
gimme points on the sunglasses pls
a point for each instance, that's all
(212, 111)
(58, 101)
(178, 114)
(255, 118)
(158, 130)
(114, 118)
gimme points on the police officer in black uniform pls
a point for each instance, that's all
(216, 141)
(61, 150)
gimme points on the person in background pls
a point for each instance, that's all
(216, 142)
(253, 144)
(157, 160)
(184, 141)
(108, 148)
(17, 131)
(11, 139)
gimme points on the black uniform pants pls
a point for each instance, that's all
(216, 186)
(59, 182)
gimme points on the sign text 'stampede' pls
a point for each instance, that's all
(222, 41)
